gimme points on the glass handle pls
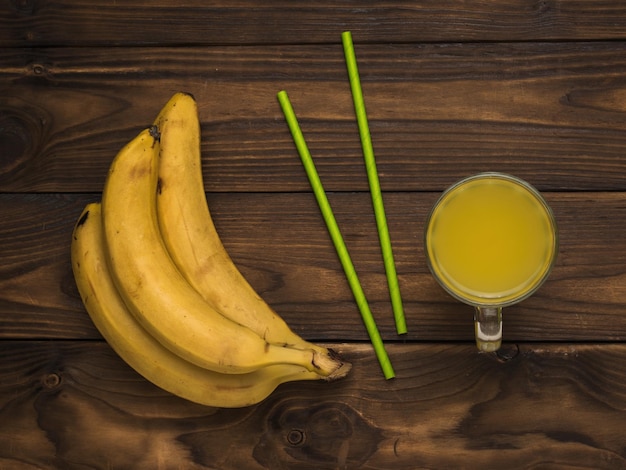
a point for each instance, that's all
(488, 327)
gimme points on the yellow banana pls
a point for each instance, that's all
(155, 291)
(190, 235)
(145, 354)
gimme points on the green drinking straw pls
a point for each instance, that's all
(372, 175)
(335, 235)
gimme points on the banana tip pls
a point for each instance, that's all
(332, 364)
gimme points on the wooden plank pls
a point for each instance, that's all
(77, 405)
(280, 243)
(550, 112)
(35, 23)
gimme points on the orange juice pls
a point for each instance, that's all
(491, 240)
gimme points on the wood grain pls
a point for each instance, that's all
(552, 113)
(536, 88)
(534, 406)
(43, 22)
(281, 244)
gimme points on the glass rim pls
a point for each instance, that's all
(495, 302)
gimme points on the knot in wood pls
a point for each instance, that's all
(296, 437)
(507, 352)
(312, 435)
(39, 69)
(51, 381)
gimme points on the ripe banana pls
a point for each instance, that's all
(145, 354)
(157, 294)
(190, 235)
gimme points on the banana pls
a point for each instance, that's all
(157, 294)
(146, 355)
(190, 235)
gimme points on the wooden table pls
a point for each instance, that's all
(532, 88)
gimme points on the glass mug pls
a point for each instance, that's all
(491, 241)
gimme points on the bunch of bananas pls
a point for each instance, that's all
(160, 287)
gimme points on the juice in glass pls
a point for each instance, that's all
(491, 241)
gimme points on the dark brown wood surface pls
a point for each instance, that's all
(533, 88)
(548, 112)
(78, 405)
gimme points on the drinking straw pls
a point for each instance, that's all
(335, 235)
(372, 175)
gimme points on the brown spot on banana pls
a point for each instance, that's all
(82, 219)
(138, 171)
